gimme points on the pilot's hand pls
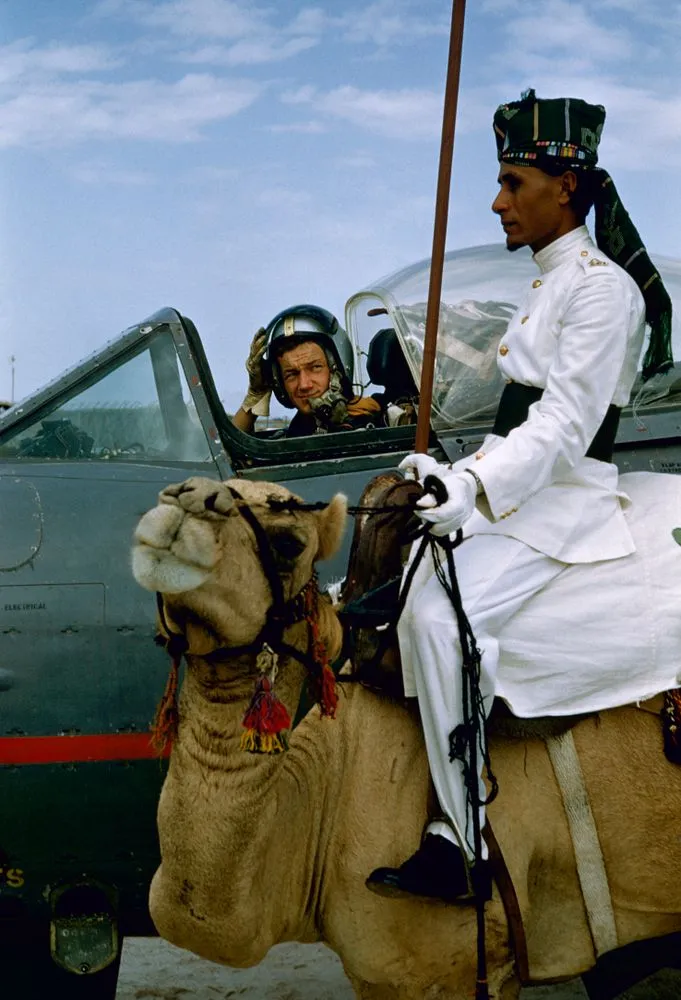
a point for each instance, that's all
(257, 400)
(447, 517)
(418, 466)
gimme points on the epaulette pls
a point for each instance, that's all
(588, 259)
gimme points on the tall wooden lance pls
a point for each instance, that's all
(440, 227)
(426, 391)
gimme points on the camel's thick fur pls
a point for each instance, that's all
(258, 849)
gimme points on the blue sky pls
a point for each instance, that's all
(231, 158)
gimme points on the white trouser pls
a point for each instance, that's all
(496, 576)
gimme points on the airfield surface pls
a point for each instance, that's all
(154, 970)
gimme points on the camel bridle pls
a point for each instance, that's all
(268, 645)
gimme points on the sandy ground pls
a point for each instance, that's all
(154, 970)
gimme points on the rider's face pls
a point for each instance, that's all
(305, 373)
(533, 206)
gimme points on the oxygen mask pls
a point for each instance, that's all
(330, 409)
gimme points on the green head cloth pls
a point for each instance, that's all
(564, 133)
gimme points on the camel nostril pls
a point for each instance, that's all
(210, 501)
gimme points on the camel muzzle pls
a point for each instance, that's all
(198, 495)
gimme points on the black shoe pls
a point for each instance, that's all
(438, 870)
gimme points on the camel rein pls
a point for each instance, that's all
(467, 742)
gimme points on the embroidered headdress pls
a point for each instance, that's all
(563, 133)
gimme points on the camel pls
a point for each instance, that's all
(259, 849)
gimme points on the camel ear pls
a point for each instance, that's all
(331, 525)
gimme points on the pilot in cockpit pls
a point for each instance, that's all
(305, 357)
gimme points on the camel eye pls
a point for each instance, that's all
(287, 546)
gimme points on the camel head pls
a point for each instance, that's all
(196, 550)
(211, 550)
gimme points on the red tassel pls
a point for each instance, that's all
(164, 727)
(265, 721)
(329, 694)
(324, 685)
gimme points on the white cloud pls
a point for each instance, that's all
(497, 6)
(311, 127)
(193, 18)
(360, 161)
(301, 95)
(227, 33)
(259, 34)
(283, 199)
(578, 40)
(24, 58)
(563, 28)
(62, 113)
(400, 114)
(387, 23)
(654, 12)
(309, 21)
(212, 175)
(97, 172)
(616, 39)
(659, 12)
(251, 52)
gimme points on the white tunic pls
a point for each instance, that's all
(578, 335)
(537, 598)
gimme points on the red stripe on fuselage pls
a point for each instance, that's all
(67, 749)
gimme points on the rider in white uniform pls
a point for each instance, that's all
(542, 492)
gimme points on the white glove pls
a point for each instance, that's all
(418, 466)
(257, 400)
(448, 517)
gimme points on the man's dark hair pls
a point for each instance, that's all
(582, 198)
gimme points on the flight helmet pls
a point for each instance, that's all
(301, 323)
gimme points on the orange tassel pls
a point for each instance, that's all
(268, 743)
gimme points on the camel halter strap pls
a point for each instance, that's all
(266, 720)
